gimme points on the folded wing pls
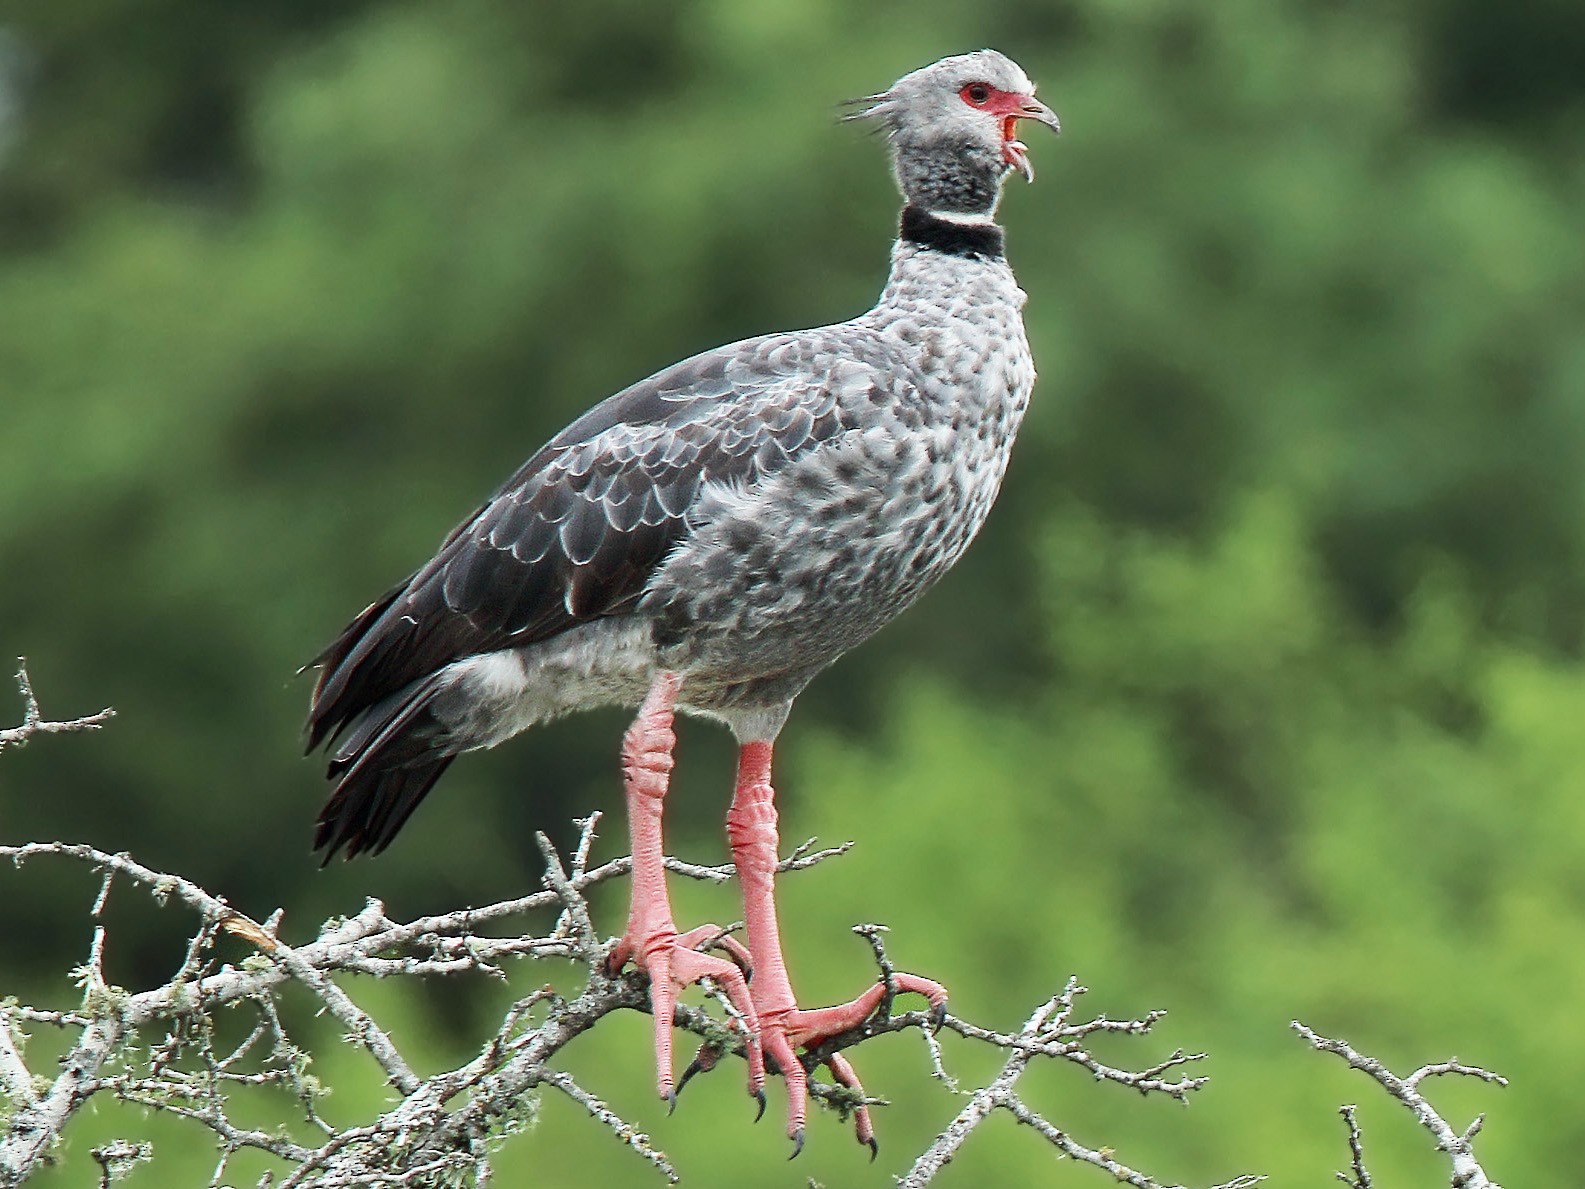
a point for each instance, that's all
(577, 532)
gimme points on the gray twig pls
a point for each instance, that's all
(33, 721)
(1358, 1177)
(156, 1047)
(423, 1137)
(1050, 1032)
(636, 1140)
(1467, 1172)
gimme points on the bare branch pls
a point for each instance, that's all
(1467, 1172)
(1050, 1032)
(448, 1125)
(636, 1140)
(15, 1079)
(1357, 1177)
(156, 1047)
(1103, 1159)
(423, 1134)
(33, 721)
(575, 910)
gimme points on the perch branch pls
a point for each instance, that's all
(156, 1048)
(447, 1124)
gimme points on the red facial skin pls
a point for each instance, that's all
(1007, 104)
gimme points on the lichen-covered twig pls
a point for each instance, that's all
(448, 1124)
(1467, 1172)
(156, 1047)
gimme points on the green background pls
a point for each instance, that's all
(1260, 696)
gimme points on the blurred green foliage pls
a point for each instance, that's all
(1261, 696)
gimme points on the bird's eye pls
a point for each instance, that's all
(976, 93)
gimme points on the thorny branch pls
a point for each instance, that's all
(34, 722)
(1467, 1172)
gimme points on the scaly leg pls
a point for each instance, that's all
(784, 1027)
(651, 941)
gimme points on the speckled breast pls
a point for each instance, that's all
(781, 580)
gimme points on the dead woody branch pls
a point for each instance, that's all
(33, 721)
(1467, 1172)
(1052, 1032)
(170, 1048)
(445, 1126)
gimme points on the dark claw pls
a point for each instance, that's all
(693, 1068)
(671, 1099)
(760, 1114)
(798, 1143)
(938, 1016)
(875, 1149)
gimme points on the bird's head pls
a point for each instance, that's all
(953, 128)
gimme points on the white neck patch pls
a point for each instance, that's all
(964, 218)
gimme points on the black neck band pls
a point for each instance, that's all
(921, 227)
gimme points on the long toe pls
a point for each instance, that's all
(783, 1033)
(821, 1023)
(779, 1050)
(863, 1127)
(672, 965)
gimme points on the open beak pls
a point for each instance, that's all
(1014, 151)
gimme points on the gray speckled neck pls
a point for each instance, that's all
(949, 178)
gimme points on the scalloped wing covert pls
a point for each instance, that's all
(577, 532)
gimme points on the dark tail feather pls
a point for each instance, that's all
(328, 714)
(393, 756)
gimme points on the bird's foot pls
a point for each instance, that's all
(784, 1032)
(674, 960)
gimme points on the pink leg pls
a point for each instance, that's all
(651, 940)
(784, 1027)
